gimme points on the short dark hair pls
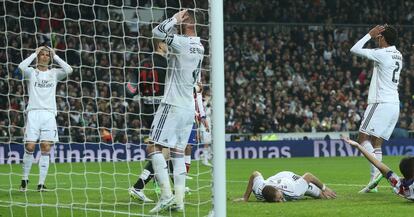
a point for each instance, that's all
(269, 193)
(390, 35)
(407, 167)
(197, 16)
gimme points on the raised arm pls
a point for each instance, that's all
(66, 68)
(24, 65)
(367, 53)
(163, 29)
(384, 169)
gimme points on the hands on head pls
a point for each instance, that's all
(181, 16)
(377, 30)
(52, 51)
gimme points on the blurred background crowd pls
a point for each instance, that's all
(292, 72)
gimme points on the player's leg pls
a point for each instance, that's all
(45, 147)
(162, 135)
(27, 164)
(187, 159)
(364, 137)
(206, 140)
(379, 124)
(179, 173)
(48, 136)
(183, 132)
(31, 135)
(137, 190)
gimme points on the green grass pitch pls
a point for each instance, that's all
(100, 189)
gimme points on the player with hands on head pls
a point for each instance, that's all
(174, 118)
(403, 187)
(286, 186)
(381, 114)
(41, 110)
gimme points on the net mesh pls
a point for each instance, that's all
(101, 129)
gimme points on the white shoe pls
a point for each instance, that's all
(187, 190)
(188, 177)
(206, 163)
(138, 194)
(163, 204)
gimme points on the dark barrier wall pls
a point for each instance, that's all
(73, 152)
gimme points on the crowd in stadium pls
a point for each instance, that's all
(279, 78)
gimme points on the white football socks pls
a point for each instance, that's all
(27, 164)
(179, 178)
(377, 153)
(161, 173)
(43, 167)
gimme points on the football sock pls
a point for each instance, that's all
(161, 173)
(43, 167)
(179, 177)
(27, 164)
(145, 176)
(378, 156)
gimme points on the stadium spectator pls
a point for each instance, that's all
(280, 69)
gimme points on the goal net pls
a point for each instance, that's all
(103, 131)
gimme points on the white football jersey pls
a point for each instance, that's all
(42, 84)
(292, 186)
(184, 65)
(386, 73)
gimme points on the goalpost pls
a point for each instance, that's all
(101, 130)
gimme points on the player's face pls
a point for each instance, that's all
(279, 196)
(380, 41)
(43, 58)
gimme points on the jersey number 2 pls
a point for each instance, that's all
(395, 70)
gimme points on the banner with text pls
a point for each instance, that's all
(88, 152)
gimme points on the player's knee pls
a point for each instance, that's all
(152, 148)
(45, 147)
(188, 149)
(30, 147)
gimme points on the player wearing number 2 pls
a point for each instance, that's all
(173, 121)
(383, 109)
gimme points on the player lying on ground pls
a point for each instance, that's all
(404, 187)
(286, 186)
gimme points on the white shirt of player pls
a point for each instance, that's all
(292, 186)
(42, 84)
(386, 73)
(184, 65)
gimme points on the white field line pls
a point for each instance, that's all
(72, 207)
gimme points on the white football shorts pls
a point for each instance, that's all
(380, 119)
(172, 126)
(41, 126)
